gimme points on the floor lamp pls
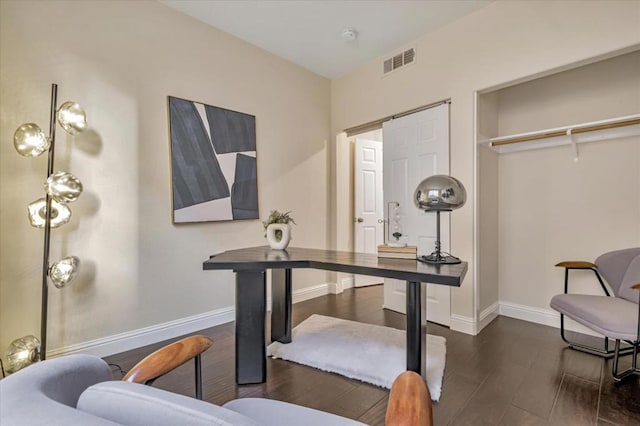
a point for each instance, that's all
(439, 193)
(48, 212)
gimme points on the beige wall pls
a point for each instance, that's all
(120, 60)
(553, 209)
(500, 43)
(604, 89)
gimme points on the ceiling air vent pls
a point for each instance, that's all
(398, 61)
(409, 55)
(388, 66)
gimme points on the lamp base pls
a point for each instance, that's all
(438, 259)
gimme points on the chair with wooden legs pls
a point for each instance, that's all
(170, 357)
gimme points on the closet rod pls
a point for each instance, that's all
(574, 131)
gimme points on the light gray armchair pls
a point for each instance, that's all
(78, 390)
(614, 316)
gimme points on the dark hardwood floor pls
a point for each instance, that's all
(512, 373)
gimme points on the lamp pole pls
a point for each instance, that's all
(48, 212)
(47, 227)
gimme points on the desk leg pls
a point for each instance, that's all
(281, 305)
(416, 331)
(251, 350)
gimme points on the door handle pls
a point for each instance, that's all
(359, 220)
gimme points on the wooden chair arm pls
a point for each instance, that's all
(636, 286)
(409, 402)
(576, 264)
(167, 358)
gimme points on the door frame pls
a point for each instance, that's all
(342, 237)
(364, 280)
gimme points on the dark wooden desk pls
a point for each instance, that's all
(250, 265)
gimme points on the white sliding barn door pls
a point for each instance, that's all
(368, 226)
(415, 147)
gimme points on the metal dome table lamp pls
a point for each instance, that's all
(439, 193)
(48, 212)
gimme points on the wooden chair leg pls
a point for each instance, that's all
(409, 402)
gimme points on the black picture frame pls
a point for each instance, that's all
(213, 163)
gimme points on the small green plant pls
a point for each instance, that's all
(276, 217)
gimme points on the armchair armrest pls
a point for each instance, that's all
(167, 358)
(580, 264)
(409, 402)
(576, 264)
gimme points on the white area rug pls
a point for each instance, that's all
(370, 353)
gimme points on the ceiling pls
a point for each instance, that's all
(308, 33)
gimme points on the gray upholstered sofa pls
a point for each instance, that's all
(78, 390)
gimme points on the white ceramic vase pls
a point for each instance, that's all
(279, 235)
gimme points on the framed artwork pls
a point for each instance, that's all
(213, 158)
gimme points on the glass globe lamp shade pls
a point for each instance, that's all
(63, 187)
(63, 272)
(60, 213)
(440, 193)
(72, 118)
(22, 352)
(30, 141)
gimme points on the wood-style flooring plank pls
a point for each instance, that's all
(455, 396)
(538, 391)
(517, 416)
(375, 415)
(493, 397)
(356, 402)
(620, 402)
(577, 402)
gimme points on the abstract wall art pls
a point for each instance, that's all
(213, 159)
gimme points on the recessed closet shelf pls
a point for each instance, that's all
(612, 128)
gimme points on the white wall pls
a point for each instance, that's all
(120, 60)
(503, 42)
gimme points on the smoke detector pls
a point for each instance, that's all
(349, 34)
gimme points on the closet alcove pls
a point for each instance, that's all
(554, 192)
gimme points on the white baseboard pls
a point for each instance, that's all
(148, 335)
(541, 316)
(334, 288)
(310, 292)
(530, 313)
(547, 317)
(347, 282)
(157, 333)
(463, 324)
(468, 325)
(487, 316)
